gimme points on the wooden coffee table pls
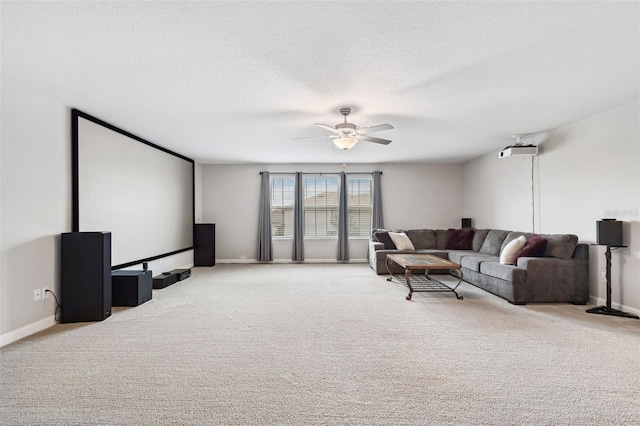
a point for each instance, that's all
(420, 282)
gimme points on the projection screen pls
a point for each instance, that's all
(140, 192)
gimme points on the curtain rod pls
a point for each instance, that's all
(320, 173)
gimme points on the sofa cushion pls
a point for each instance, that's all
(478, 239)
(509, 273)
(508, 253)
(560, 246)
(384, 238)
(382, 254)
(422, 238)
(534, 247)
(512, 236)
(459, 239)
(493, 242)
(473, 262)
(401, 241)
(457, 255)
(441, 238)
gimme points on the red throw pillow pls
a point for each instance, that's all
(459, 239)
(534, 247)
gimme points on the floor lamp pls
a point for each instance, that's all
(609, 234)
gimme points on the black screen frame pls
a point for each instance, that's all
(75, 187)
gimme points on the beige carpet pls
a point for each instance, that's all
(325, 344)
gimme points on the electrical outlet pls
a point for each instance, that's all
(45, 292)
(603, 277)
(37, 295)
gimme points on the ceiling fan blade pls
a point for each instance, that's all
(376, 128)
(372, 139)
(313, 137)
(324, 126)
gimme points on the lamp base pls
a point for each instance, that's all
(609, 311)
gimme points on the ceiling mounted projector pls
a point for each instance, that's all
(519, 150)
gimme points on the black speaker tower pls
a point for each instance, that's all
(85, 278)
(466, 222)
(204, 244)
(609, 234)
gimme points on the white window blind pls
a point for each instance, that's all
(360, 203)
(321, 206)
(282, 196)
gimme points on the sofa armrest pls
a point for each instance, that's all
(551, 280)
(376, 245)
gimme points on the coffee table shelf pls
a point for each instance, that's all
(423, 282)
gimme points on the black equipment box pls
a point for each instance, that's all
(182, 274)
(164, 280)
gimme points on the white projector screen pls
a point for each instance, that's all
(138, 191)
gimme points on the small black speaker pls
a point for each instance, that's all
(466, 222)
(609, 232)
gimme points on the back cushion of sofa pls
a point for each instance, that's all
(493, 242)
(560, 246)
(478, 239)
(422, 238)
(441, 238)
(512, 236)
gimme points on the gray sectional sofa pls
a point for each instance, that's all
(559, 275)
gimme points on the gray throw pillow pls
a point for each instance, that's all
(384, 238)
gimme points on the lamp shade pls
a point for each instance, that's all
(345, 142)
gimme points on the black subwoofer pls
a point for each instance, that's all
(609, 232)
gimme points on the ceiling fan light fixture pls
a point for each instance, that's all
(345, 142)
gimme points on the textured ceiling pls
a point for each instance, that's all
(235, 82)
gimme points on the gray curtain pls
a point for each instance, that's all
(377, 221)
(343, 220)
(265, 247)
(298, 220)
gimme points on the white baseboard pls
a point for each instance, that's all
(27, 330)
(287, 261)
(600, 302)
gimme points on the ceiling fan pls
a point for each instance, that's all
(346, 135)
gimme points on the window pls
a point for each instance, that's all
(282, 196)
(320, 204)
(321, 207)
(360, 203)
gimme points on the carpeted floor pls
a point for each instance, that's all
(325, 344)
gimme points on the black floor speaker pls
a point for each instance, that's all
(85, 276)
(204, 244)
(466, 222)
(609, 232)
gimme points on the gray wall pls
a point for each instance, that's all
(414, 196)
(585, 171)
(36, 209)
